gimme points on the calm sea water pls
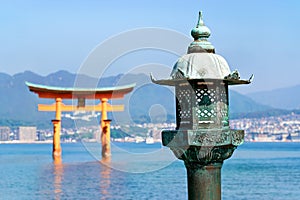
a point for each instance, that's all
(256, 171)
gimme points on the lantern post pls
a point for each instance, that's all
(202, 138)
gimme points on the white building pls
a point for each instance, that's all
(27, 133)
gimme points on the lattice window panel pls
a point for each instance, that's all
(205, 99)
(198, 103)
(222, 93)
(184, 99)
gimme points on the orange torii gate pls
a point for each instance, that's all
(59, 93)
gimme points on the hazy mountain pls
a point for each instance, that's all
(284, 98)
(239, 103)
(148, 102)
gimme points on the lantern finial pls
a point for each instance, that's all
(200, 34)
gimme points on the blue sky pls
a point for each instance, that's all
(259, 37)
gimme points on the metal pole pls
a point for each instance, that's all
(204, 182)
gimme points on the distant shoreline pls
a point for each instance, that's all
(50, 142)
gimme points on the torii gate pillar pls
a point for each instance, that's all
(56, 152)
(105, 127)
(105, 139)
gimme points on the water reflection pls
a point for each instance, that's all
(105, 178)
(87, 179)
(58, 176)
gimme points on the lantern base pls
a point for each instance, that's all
(203, 152)
(202, 137)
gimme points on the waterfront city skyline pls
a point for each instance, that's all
(255, 37)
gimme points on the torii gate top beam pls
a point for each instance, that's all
(87, 93)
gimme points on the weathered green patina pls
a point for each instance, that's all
(200, 34)
(203, 138)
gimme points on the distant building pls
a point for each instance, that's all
(4, 133)
(41, 136)
(27, 133)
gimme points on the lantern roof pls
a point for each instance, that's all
(201, 62)
(200, 66)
